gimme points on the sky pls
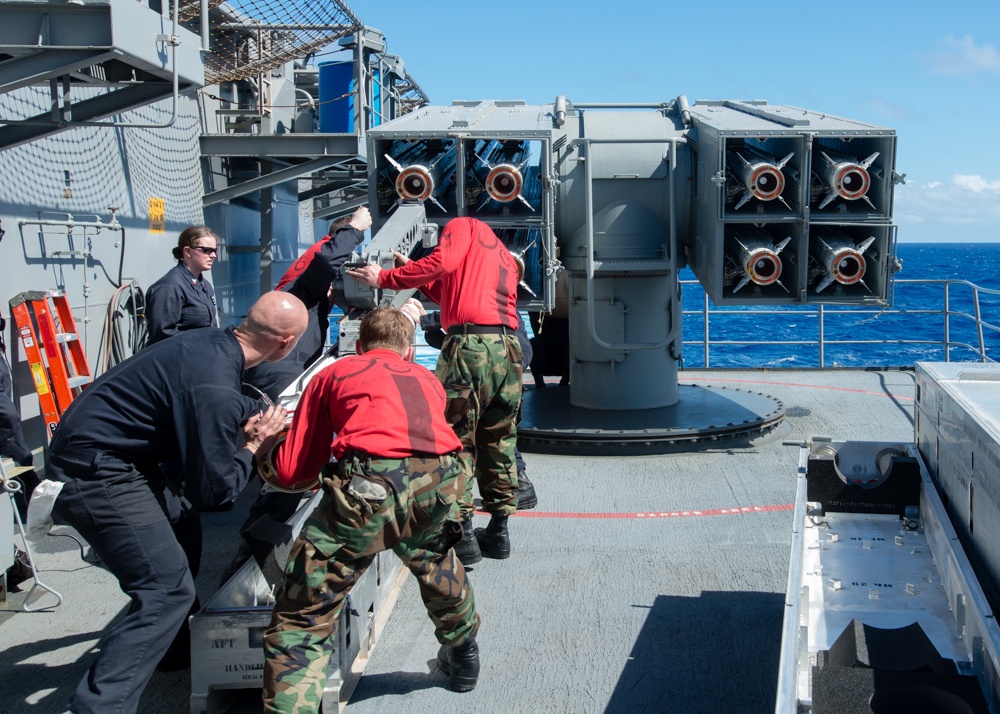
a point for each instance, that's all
(928, 70)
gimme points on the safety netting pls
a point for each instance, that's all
(249, 37)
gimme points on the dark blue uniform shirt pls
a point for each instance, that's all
(177, 302)
(176, 400)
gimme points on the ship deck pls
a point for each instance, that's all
(639, 583)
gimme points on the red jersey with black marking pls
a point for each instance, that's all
(299, 266)
(470, 274)
(376, 403)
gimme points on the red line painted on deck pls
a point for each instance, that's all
(812, 386)
(736, 511)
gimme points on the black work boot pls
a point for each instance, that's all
(526, 497)
(494, 541)
(461, 664)
(467, 550)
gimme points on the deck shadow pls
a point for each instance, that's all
(714, 653)
(22, 682)
(371, 686)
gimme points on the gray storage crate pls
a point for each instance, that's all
(958, 434)
(227, 633)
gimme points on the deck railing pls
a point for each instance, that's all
(963, 329)
(828, 336)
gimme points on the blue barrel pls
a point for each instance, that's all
(376, 99)
(336, 114)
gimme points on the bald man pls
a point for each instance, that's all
(178, 400)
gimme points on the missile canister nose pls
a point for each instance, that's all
(853, 182)
(849, 267)
(504, 183)
(764, 268)
(414, 183)
(767, 183)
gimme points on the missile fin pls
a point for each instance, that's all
(824, 283)
(781, 245)
(740, 157)
(485, 162)
(783, 287)
(784, 203)
(746, 279)
(827, 199)
(868, 201)
(395, 164)
(868, 162)
(742, 201)
(781, 164)
(435, 202)
(523, 200)
(828, 159)
(864, 245)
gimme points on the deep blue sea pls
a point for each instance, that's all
(914, 323)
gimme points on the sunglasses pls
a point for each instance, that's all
(205, 249)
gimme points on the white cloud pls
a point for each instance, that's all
(966, 208)
(961, 55)
(975, 183)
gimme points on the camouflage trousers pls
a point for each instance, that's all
(481, 375)
(408, 506)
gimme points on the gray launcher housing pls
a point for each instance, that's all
(622, 197)
(820, 222)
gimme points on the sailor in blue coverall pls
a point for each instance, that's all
(176, 400)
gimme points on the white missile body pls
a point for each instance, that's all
(757, 259)
(760, 179)
(504, 182)
(845, 178)
(840, 260)
(416, 181)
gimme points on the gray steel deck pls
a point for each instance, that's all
(644, 583)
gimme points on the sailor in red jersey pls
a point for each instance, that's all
(373, 403)
(473, 277)
(396, 487)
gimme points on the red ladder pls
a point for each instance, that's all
(45, 323)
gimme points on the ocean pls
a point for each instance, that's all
(913, 325)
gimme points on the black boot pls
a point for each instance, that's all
(526, 497)
(467, 550)
(461, 664)
(494, 541)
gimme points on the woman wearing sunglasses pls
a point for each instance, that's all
(183, 299)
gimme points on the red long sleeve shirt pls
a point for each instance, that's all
(376, 403)
(299, 266)
(470, 274)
